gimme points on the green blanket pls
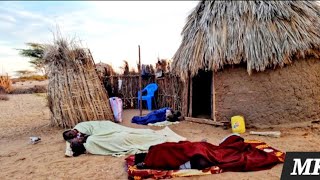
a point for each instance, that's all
(108, 138)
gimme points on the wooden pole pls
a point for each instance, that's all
(205, 121)
(190, 97)
(275, 134)
(187, 100)
(213, 99)
(140, 83)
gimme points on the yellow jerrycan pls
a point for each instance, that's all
(238, 124)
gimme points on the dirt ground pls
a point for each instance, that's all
(27, 115)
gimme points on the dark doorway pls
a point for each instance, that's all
(201, 94)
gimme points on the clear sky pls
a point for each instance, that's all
(111, 29)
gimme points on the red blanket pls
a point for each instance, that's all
(233, 154)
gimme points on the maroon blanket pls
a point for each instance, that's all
(233, 154)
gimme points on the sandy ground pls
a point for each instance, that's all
(27, 115)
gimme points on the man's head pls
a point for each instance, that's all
(177, 114)
(77, 146)
(78, 140)
(69, 134)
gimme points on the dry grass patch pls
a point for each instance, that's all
(29, 78)
(34, 89)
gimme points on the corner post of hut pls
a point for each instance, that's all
(213, 99)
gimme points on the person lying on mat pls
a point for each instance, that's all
(195, 162)
(232, 154)
(109, 138)
(86, 128)
(72, 133)
(160, 115)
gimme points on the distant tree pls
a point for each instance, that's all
(35, 52)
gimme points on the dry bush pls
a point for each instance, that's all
(5, 83)
(104, 69)
(35, 89)
(39, 89)
(21, 91)
(15, 80)
(125, 67)
(32, 78)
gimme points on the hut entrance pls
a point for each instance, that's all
(201, 94)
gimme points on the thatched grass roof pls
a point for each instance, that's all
(260, 33)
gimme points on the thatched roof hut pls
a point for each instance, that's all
(258, 35)
(75, 92)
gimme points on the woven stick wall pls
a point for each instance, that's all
(169, 93)
(129, 88)
(75, 92)
(5, 83)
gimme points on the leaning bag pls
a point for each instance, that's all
(116, 105)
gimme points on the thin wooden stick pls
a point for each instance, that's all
(204, 121)
(140, 86)
(275, 134)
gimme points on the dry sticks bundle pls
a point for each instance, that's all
(75, 92)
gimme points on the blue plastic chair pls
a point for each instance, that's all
(151, 89)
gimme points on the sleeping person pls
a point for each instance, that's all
(232, 154)
(109, 138)
(160, 115)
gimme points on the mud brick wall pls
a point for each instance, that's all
(288, 94)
